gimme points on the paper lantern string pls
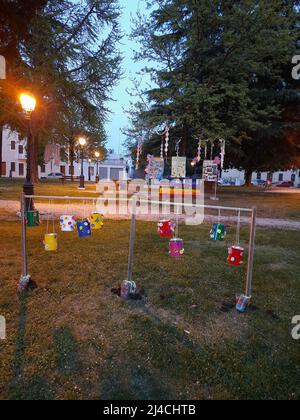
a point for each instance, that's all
(223, 152)
(139, 152)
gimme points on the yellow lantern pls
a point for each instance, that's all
(50, 242)
(96, 220)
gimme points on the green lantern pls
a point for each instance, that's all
(32, 218)
(218, 232)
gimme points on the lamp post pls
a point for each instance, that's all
(28, 104)
(90, 169)
(82, 143)
(97, 156)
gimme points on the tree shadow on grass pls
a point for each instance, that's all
(67, 352)
(35, 388)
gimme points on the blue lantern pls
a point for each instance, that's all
(84, 229)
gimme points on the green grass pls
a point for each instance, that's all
(72, 339)
(270, 205)
(12, 189)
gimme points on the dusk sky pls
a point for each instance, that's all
(118, 119)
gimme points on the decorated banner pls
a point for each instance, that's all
(155, 168)
(178, 167)
(210, 170)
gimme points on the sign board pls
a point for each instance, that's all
(2, 68)
(155, 169)
(210, 171)
(178, 167)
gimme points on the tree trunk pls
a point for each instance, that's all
(248, 177)
(1, 145)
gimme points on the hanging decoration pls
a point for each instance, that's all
(84, 229)
(176, 246)
(166, 229)
(223, 152)
(139, 152)
(67, 223)
(155, 169)
(97, 220)
(50, 239)
(236, 253)
(218, 232)
(199, 150)
(32, 218)
(51, 242)
(167, 141)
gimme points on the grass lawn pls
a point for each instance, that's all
(12, 189)
(284, 206)
(72, 339)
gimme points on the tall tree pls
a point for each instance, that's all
(70, 61)
(222, 69)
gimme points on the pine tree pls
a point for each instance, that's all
(223, 70)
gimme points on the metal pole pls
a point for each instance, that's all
(81, 183)
(251, 254)
(132, 239)
(28, 186)
(24, 241)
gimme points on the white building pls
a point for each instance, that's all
(14, 163)
(236, 177)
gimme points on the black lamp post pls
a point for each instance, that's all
(97, 156)
(28, 103)
(82, 142)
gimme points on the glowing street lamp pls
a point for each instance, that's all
(28, 103)
(82, 142)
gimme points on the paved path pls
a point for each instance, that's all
(10, 211)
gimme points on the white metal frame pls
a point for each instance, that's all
(252, 212)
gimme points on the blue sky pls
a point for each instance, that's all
(118, 118)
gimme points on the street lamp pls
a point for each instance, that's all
(82, 142)
(28, 104)
(97, 156)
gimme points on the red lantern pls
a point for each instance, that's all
(166, 229)
(236, 256)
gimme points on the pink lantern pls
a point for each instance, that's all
(176, 248)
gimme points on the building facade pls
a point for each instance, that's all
(237, 177)
(14, 163)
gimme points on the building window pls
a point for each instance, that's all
(21, 169)
(13, 167)
(71, 170)
(280, 177)
(258, 176)
(43, 169)
(21, 149)
(293, 177)
(63, 170)
(12, 145)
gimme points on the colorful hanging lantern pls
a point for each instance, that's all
(218, 232)
(67, 223)
(84, 229)
(236, 256)
(50, 242)
(32, 218)
(176, 248)
(96, 220)
(166, 228)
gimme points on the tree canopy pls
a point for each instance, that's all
(222, 70)
(68, 57)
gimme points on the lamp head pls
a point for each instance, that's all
(82, 141)
(28, 102)
(97, 155)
